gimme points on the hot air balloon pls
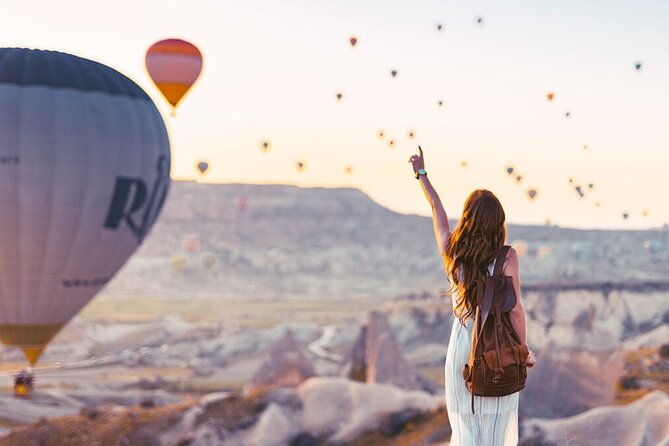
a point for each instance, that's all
(625, 215)
(464, 164)
(208, 260)
(84, 173)
(585, 147)
(380, 134)
(339, 96)
(190, 243)
(519, 178)
(300, 166)
(391, 143)
(348, 169)
(178, 262)
(644, 213)
(509, 170)
(591, 186)
(202, 166)
(353, 41)
(411, 134)
(597, 204)
(638, 66)
(532, 193)
(567, 114)
(241, 203)
(439, 26)
(393, 73)
(550, 96)
(570, 180)
(174, 65)
(479, 20)
(440, 103)
(265, 145)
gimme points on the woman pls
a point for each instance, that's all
(467, 251)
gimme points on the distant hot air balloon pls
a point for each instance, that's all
(585, 147)
(202, 166)
(550, 96)
(339, 96)
(411, 134)
(208, 260)
(597, 204)
(380, 134)
(509, 170)
(638, 66)
(241, 203)
(393, 73)
(190, 243)
(570, 180)
(591, 186)
(353, 41)
(626, 215)
(300, 166)
(479, 20)
(567, 114)
(84, 173)
(464, 164)
(391, 143)
(532, 193)
(348, 169)
(178, 262)
(174, 65)
(519, 178)
(644, 213)
(440, 103)
(265, 145)
(439, 26)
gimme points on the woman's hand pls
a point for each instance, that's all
(417, 161)
(531, 360)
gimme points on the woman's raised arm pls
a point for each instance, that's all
(442, 229)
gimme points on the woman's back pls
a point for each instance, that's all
(495, 421)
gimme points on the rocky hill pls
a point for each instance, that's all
(286, 241)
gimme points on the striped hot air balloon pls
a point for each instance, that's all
(174, 65)
(84, 172)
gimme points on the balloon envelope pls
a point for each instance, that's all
(84, 172)
(174, 65)
(265, 145)
(208, 260)
(202, 166)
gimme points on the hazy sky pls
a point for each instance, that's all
(272, 69)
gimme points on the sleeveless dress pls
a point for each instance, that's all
(495, 422)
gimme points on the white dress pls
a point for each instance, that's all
(495, 422)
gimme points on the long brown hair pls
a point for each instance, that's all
(472, 246)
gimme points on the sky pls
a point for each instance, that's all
(272, 70)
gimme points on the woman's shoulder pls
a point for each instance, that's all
(510, 260)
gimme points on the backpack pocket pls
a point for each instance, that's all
(512, 359)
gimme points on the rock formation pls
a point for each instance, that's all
(287, 364)
(642, 422)
(567, 381)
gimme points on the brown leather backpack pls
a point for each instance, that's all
(496, 364)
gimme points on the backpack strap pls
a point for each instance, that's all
(499, 263)
(481, 317)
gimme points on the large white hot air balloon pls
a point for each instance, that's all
(84, 173)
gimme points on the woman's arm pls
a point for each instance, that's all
(517, 314)
(442, 229)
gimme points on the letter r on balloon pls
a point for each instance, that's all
(129, 203)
